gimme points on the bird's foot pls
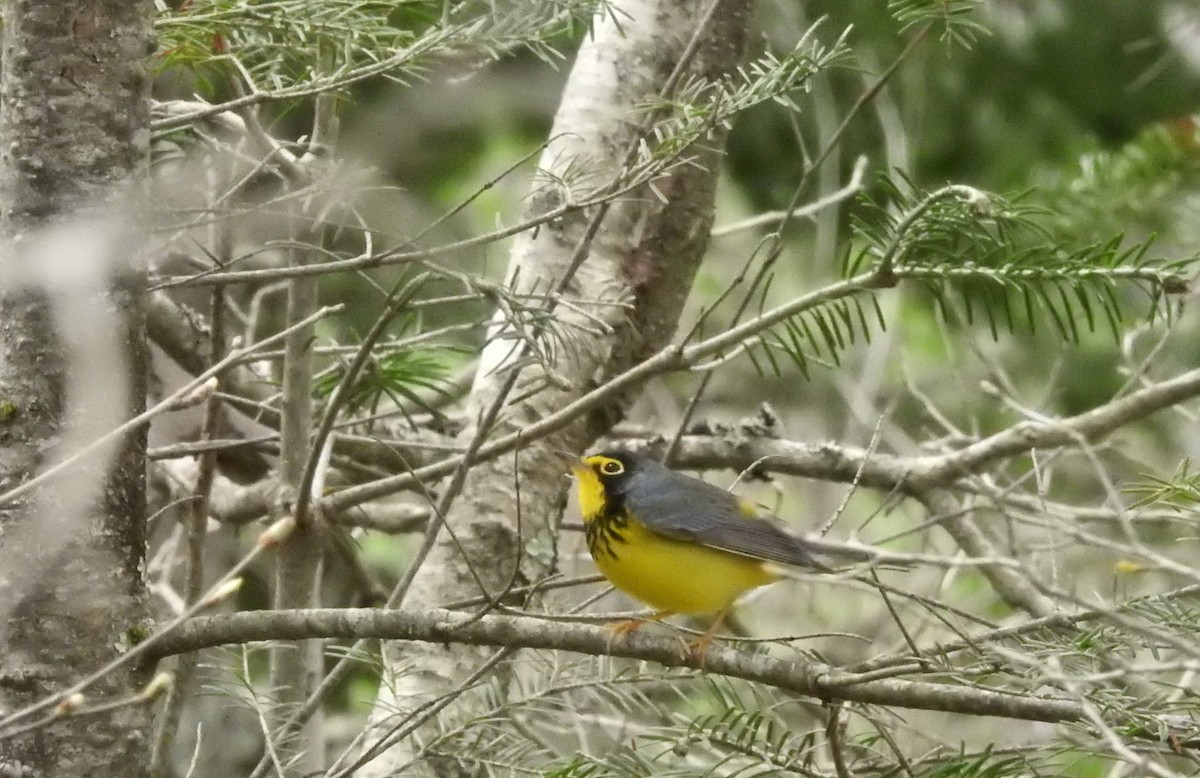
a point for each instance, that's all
(619, 629)
(689, 650)
(696, 650)
(623, 628)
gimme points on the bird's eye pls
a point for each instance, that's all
(612, 467)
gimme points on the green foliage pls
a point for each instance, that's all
(818, 335)
(700, 104)
(745, 735)
(1008, 270)
(951, 18)
(497, 739)
(983, 260)
(291, 48)
(1180, 490)
(981, 765)
(263, 36)
(395, 375)
(1143, 184)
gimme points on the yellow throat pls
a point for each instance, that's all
(590, 490)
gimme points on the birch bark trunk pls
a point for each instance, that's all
(625, 301)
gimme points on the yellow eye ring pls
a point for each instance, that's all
(612, 467)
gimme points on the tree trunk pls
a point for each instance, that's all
(636, 277)
(74, 118)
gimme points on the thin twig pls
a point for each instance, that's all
(196, 521)
(167, 404)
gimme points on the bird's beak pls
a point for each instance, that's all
(574, 463)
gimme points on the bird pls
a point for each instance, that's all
(677, 543)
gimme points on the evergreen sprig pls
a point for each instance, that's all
(1179, 491)
(700, 104)
(983, 260)
(951, 17)
(394, 374)
(271, 46)
(1002, 266)
(1148, 184)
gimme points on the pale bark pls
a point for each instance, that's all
(637, 274)
(74, 118)
(294, 668)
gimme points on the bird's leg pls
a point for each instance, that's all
(698, 649)
(622, 628)
(628, 627)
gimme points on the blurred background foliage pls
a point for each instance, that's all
(1088, 102)
(1081, 111)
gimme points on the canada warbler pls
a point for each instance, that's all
(677, 543)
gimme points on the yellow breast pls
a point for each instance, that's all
(673, 575)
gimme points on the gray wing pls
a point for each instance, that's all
(686, 508)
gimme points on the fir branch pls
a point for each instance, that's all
(439, 626)
(271, 45)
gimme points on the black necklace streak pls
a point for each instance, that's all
(605, 528)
